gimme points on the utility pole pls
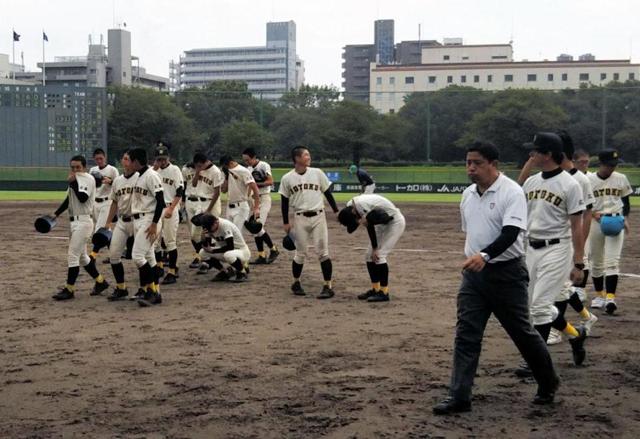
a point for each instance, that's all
(428, 128)
(604, 117)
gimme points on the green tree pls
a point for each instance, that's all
(311, 96)
(238, 135)
(348, 134)
(304, 126)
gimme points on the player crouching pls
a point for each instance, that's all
(223, 244)
(385, 224)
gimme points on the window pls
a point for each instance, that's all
(392, 80)
(616, 76)
(379, 80)
(584, 77)
(499, 57)
(508, 78)
(489, 78)
(632, 76)
(449, 79)
(408, 80)
(603, 76)
(476, 78)
(432, 79)
(445, 58)
(550, 77)
(465, 58)
(565, 76)
(392, 110)
(532, 78)
(124, 74)
(463, 79)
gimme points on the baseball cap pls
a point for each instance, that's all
(545, 142)
(609, 157)
(352, 169)
(347, 218)
(162, 152)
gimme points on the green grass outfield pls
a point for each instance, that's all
(340, 197)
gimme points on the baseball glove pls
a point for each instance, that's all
(101, 238)
(378, 216)
(259, 176)
(97, 177)
(288, 242)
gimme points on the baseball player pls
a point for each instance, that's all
(239, 182)
(173, 189)
(224, 244)
(79, 202)
(611, 190)
(367, 183)
(555, 206)
(261, 172)
(147, 205)
(385, 224)
(101, 202)
(581, 160)
(203, 182)
(121, 194)
(302, 189)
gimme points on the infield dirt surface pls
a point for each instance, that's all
(252, 361)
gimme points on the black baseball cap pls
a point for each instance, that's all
(609, 157)
(545, 142)
(348, 219)
(162, 152)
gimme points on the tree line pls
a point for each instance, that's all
(224, 118)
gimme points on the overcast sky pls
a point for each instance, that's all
(162, 29)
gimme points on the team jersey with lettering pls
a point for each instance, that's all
(144, 192)
(585, 186)
(226, 230)
(187, 176)
(239, 179)
(608, 193)
(550, 202)
(263, 169)
(366, 203)
(208, 180)
(171, 178)
(86, 184)
(305, 191)
(108, 171)
(122, 192)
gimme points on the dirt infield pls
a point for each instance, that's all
(252, 360)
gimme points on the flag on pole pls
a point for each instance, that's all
(16, 37)
(44, 36)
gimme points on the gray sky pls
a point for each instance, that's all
(162, 29)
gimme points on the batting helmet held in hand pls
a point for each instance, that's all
(252, 225)
(289, 242)
(611, 225)
(45, 223)
(101, 238)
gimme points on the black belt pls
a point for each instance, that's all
(100, 200)
(197, 199)
(503, 263)
(125, 219)
(541, 243)
(139, 215)
(234, 205)
(311, 213)
(612, 214)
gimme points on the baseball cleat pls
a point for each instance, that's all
(523, 371)
(222, 276)
(378, 296)
(451, 405)
(260, 260)
(588, 324)
(98, 288)
(577, 346)
(118, 294)
(597, 302)
(63, 294)
(169, 279)
(326, 293)
(555, 337)
(240, 277)
(366, 294)
(195, 263)
(273, 255)
(546, 396)
(610, 306)
(297, 289)
(139, 294)
(150, 298)
(203, 268)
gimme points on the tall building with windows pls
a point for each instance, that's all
(383, 41)
(268, 70)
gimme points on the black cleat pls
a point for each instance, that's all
(260, 260)
(169, 279)
(98, 288)
(240, 277)
(139, 294)
(546, 396)
(63, 294)
(523, 371)
(150, 298)
(195, 263)
(297, 289)
(203, 268)
(451, 405)
(118, 294)
(610, 306)
(577, 346)
(222, 276)
(366, 294)
(273, 255)
(378, 296)
(326, 293)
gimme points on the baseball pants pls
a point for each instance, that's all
(100, 213)
(121, 232)
(243, 254)
(549, 269)
(143, 248)
(265, 208)
(80, 232)
(388, 235)
(169, 232)
(194, 208)
(604, 251)
(311, 230)
(238, 214)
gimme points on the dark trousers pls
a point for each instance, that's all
(500, 289)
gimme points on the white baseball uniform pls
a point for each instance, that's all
(238, 210)
(217, 239)
(550, 201)
(121, 194)
(305, 193)
(171, 178)
(605, 251)
(263, 168)
(80, 220)
(199, 197)
(143, 205)
(386, 234)
(102, 202)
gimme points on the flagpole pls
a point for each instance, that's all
(43, 63)
(13, 47)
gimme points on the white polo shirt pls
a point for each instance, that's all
(483, 217)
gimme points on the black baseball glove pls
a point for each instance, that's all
(378, 216)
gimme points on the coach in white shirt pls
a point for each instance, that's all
(495, 279)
